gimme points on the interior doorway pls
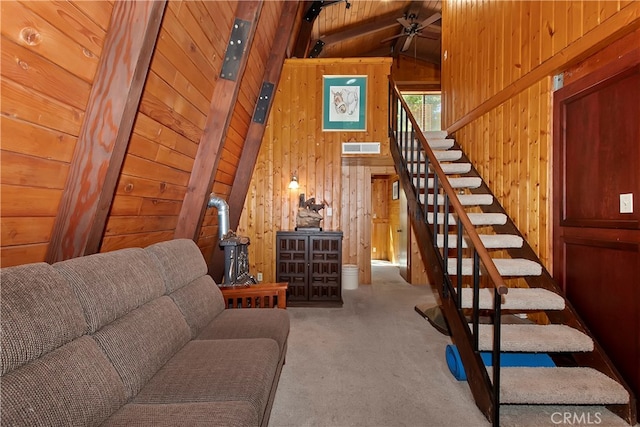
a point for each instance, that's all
(385, 218)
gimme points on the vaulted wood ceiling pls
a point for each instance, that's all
(361, 28)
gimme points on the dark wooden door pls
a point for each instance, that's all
(596, 247)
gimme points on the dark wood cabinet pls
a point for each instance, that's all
(311, 262)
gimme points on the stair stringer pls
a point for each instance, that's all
(597, 359)
(477, 376)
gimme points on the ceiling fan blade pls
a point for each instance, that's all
(392, 38)
(404, 22)
(430, 20)
(407, 43)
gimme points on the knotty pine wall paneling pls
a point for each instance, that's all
(295, 143)
(50, 53)
(497, 89)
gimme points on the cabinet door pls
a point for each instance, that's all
(292, 265)
(325, 265)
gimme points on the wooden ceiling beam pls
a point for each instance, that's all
(221, 109)
(105, 130)
(253, 140)
(360, 30)
(312, 10)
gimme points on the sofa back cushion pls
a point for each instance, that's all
(73, 385)
(110, 285)
(53, 374)
(185, 276)
(39, 313)
(179, 261)
(141, 342)
(200, 302)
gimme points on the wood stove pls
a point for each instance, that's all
(236, 261)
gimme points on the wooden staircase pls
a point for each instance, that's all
(486, 273)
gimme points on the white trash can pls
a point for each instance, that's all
(349, 277)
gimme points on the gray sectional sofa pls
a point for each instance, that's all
(135, 337)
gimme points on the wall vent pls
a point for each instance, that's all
(360, 148)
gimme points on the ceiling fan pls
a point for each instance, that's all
(413, 28)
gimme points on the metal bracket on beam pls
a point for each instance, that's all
(317, 49)
(235, 49)
(260, 113)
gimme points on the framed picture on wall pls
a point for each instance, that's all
(344, 103)
(395, 190)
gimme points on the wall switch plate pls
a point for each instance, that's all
(329, 212)
(259, 277)
(626, 203)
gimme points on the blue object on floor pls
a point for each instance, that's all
(506, 359)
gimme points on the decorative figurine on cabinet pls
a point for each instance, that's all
(308, 214)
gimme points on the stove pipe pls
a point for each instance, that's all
(223, 214)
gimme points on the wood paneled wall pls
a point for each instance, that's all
(295, 143)
(411, 73)
(497, 90)
(50, 54)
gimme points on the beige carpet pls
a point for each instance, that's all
(376, 362)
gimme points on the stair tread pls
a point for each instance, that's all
(505, 266)
(475, 218)
(535, 338)
(447, 155)
(465, 199)
(559, 386)
(490, 241)
(455, 182)
(435, 134)
(459, 182)
(441, 155)
(440, 144)
(454, 168)
(516, 299)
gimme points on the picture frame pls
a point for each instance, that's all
(344, 103)
(395, 190)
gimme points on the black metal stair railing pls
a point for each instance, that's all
(403, 133)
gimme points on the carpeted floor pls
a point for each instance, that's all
(376, 362)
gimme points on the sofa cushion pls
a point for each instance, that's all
(39, 313)
(74, 385)
(216, 370)
(111, 284)
(200, 302)
(194, 414)
(180, 262)
(139, 343)
(249, 323)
